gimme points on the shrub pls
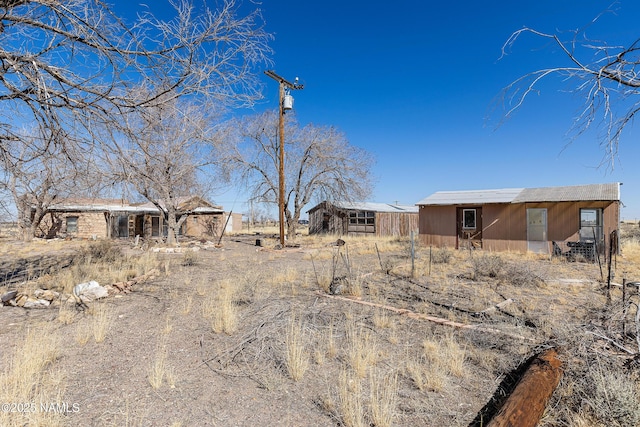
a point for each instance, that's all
(103, 250)
(614, 398)
(487, 265)
(441, 256)
(190, 258)
(520, 274)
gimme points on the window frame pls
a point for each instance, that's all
(74, 228)
(465, 225)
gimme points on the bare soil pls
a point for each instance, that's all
(241, 378)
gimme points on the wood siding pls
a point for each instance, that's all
(396, 223)
(331, 220)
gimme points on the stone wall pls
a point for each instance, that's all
(89, 225)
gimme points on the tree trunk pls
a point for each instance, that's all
(527, 403)
(171, 228)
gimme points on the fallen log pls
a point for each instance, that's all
(526, 404)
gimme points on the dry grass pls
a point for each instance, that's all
(297, 356)
(66, 313)
(28, 379)
(83, 333)
(361, 349)
(351, 408)
(100, 321)
(222, 309)
(360, 341)
(160, 372)
(158, 369)
(384, 396)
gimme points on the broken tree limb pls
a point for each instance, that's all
(525, 406)
(420, 316)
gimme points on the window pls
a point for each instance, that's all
(361, 218)
(469, 219)
(591, 224)
(72, 224)
(362, 222)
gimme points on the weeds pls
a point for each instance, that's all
(350, 398)
(28, 378)
(384, 395)
(297, 360)
(101, 321)
(189, 258)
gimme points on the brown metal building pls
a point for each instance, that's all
(546, 220)
(376, 219)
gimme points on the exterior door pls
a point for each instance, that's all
(469, 224)
(537, 230)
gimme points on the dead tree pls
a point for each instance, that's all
(603, 73)
(320, 163)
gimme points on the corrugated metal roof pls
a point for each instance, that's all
(475, 197)
(376, 207)
(117, 205)
(591, 192)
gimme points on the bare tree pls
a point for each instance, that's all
(75, 65)
(169, 153)
(320, 163)
(37, 172)
(605, 76)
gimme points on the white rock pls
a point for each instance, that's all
(90, 291)
(36, 303)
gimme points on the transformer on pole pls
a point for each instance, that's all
(286, 103)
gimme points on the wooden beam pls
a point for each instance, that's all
(420, 316)
(526, 405)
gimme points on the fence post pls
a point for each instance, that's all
(413, 255)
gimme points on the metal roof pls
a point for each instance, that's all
(591, 192)
(475, 197)
(117, 205)
(374, 207)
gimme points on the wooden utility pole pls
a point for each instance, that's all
(526, 405)
(291, 86)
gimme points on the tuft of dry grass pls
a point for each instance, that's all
(297, 358)
(28, 379)
(446, 355)
(66, 313)
(351, 409)
(158, 369)
(361, 349)
(100, 321)
(225, 311)
(384, 396)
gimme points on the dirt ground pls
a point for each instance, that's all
(242, 377)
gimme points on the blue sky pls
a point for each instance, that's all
(415, 82)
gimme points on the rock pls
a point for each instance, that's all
(46, 294)
(21, 299)
(36, 303)
(8, 296)
(89, 291)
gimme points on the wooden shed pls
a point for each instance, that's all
(547, 220)
(377, 219)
